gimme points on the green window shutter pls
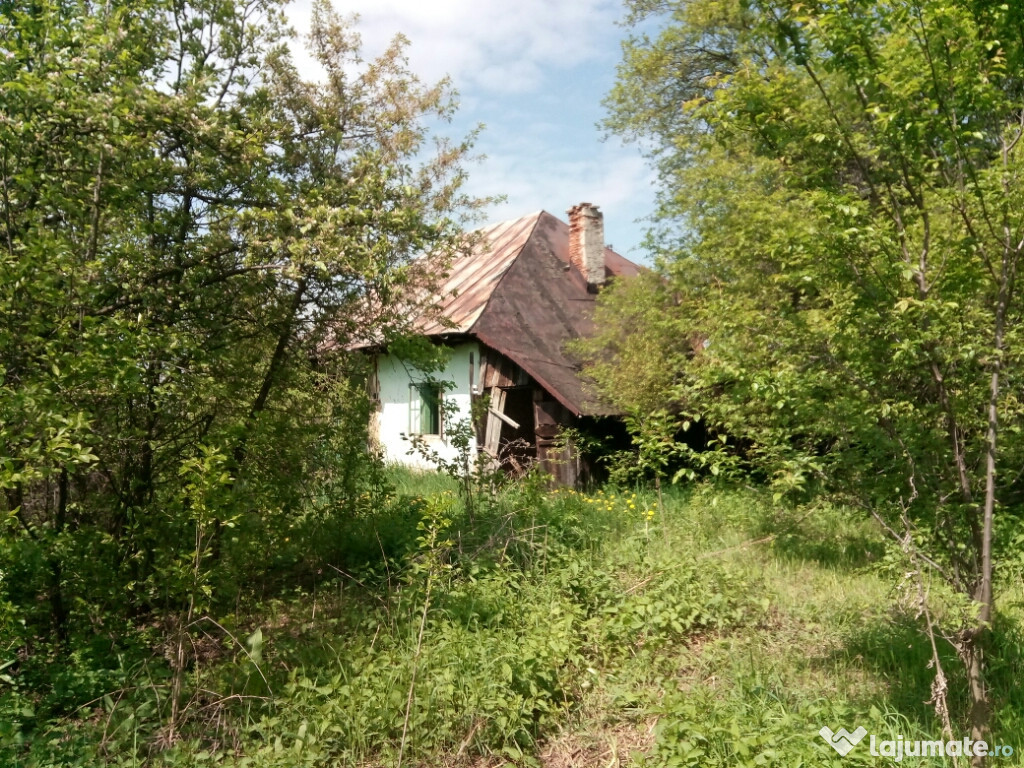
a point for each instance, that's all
(430, 409)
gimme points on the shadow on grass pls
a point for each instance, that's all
(828, 537)
(1005, 661)
(899, 652)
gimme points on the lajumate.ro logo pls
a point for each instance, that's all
(843, 742)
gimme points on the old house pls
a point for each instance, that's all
(509, 306)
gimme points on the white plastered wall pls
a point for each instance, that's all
(395, 378)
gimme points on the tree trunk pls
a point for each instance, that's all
(972, 654)
(58, 607)
(277, 361)
(974, 640)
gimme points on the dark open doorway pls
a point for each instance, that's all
(518, 441)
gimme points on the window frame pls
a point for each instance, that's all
(425, 400)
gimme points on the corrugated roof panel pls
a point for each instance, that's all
(473, 277)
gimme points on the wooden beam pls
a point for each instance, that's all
(492, 435)
(506, 419)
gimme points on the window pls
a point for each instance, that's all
(425, 408)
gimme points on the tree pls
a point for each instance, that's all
(843, 222)
(190, 236)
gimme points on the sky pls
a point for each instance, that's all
(534, 73)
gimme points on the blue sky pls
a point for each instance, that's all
(534, 73)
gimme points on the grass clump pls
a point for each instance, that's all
(538, 627)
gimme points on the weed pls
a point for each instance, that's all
(716, 628)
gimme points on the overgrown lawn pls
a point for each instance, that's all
(552, 628)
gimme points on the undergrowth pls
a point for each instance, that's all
(550, 627)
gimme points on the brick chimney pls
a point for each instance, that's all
(586, 243)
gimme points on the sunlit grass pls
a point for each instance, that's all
(566, 627)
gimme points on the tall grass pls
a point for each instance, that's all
(719, 629)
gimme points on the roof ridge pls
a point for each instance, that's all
(495, 224)
(536, 220)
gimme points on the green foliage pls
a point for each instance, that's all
(191, 238)
(641, 347)
(512, 634)
(475, 471)
(842, 224)
(201, 565)
(760, 723)
(830, 257)
(728, 627)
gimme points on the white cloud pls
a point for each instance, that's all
(534, 73)
(495, 44)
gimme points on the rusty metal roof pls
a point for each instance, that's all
(517, 293)
(472, 277)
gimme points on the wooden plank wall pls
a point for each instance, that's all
(497, 373)
(559, 460)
